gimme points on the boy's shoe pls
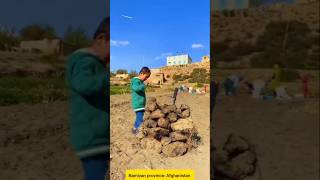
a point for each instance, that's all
(135, 131)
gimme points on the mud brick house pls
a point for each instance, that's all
(45, 46)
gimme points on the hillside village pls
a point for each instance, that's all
(166, 74)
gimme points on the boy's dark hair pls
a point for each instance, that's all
(145, 70)
(103, 28)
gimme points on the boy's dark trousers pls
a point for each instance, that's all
(96, 167)
(139, 119)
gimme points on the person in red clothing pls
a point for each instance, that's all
(205, 88)
(305, 84)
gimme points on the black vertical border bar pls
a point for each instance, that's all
(107, 6)
(212, 92)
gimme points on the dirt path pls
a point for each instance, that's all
(126, 152)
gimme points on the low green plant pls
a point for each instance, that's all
(15, 90)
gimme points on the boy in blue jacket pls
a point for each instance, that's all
(138, 96)
(88, 81)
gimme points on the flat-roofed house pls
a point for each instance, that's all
(45, 46)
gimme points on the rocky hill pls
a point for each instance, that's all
(285, 34)
(169, 71)
(247, 25)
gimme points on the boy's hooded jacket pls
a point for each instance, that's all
(138, 94)
(88, 81)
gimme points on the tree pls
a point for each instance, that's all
(76, 37)
(8, 39)
(38, 32)
(122, 71)
(133, 74)
(199, 75)
(285, 43)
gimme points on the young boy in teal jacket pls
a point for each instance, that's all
(88, 81)
(138, 96)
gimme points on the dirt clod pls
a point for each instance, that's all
(150, 123)
(172, 117)
(157, 114)
(237, 159)
(152, 106)
(183, 125)
(185, 113)
(236, 144)
(174, 149)
(175, 136)
(165, 140)
(163, 122)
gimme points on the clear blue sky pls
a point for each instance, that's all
(143, 32)
(58, 13)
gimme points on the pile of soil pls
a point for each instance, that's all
(168, 130)
(237, 159)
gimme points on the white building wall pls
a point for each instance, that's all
(45, 45)
(178, 60)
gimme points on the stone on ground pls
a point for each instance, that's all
(163, 123)
(183, 125)
(236, 144)
(174, 149)
(184, 107)
(165, 141)
(149, 123)
(157, 114)
(175, 136)
(172, 117)
(152, 106)
(185, 113)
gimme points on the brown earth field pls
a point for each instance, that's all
(34, 139)
(35, 143)
(126, 149)
(285, 133)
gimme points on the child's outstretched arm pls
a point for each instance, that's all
(84, 79)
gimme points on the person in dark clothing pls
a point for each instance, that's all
(174, 97)
(88, 82)
(229, 87)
